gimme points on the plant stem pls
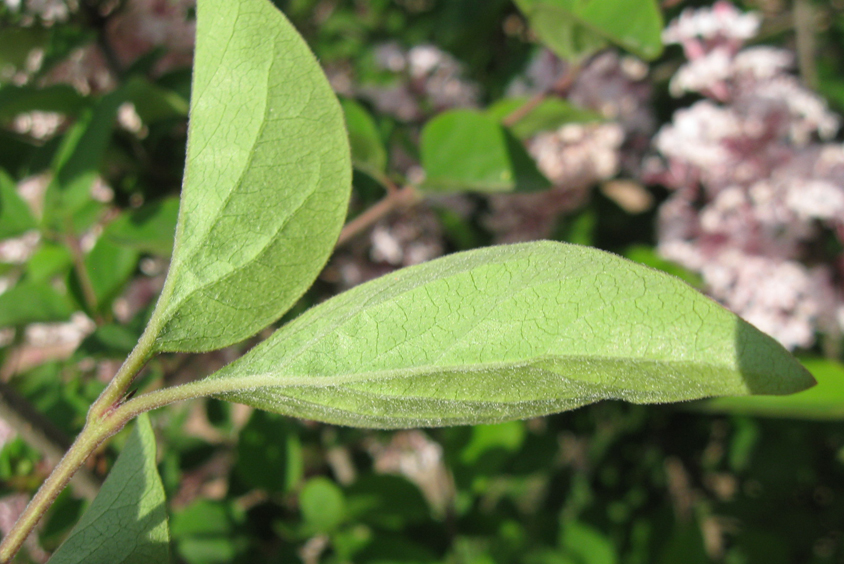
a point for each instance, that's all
(85, 444)
(395, 199)
(103, 421)
(85, 284)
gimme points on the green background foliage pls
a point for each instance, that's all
(728, 480)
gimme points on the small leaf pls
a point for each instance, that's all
(154, 103)
(504, 333)
(15, 216)
(77, 161)
(550, 114)
(269, 453)
(127, 522)
(368, 152)
(148, 229)
(468, 150)
(575, 29)
(33, 302)
(60, 98)
(266, 184)
(49, 260)
(109, 267)
(323, 505)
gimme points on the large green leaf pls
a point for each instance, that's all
(503, 333)
(574, 29)
(468, 150)
(127, 522)
(15, 216)
(266, 184)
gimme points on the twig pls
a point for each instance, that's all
(560, 87)
(395, 199)
(85, 284)
(804, 28)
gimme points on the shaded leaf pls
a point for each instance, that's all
(154, 103)
(109, 267)
(323, 505)
(269, 453)
(127, 522)
(266, 184)
(468, 150)
(60, 98)
(148, 229)
(49, 260)
(15, 216)
(503, 333)
(574, 29)
(33, 302)
(77, 162)
(368, 151)
(550, 114)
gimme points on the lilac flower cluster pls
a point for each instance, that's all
(758, 186)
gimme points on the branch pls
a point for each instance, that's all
(394, 200)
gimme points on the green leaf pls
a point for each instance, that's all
(154, 103)
(323, 505)
(15, 216)
(468, 150)
(77, 161)
(550, 114)
(127, 522)
(33, 302)
(368, 152)
(109, 267)
(266, 184)
(587, 545)
(48, 261)
(148, 229)
(574, 29)
(824, 401)
(61, 98)
(269, 453)
(504, 333)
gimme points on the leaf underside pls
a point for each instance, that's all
(267, 180)
(127, 522)
(503, 333)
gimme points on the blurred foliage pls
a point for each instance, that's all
(733, 481)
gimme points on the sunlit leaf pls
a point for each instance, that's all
(127, 522)
(574, 29)
(266, 185)
(504, 333)
(824, 401)
(468, 150)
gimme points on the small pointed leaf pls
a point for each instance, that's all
(504, 333)
(266, 183)
(127, 522)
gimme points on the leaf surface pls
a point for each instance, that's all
(574, 29)
(127, 522)
(468, 150)
(368, 151)
(503, 333)
(266, 183)
(823, 402)
(33, 302)
(148, 229)
(15, 216)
